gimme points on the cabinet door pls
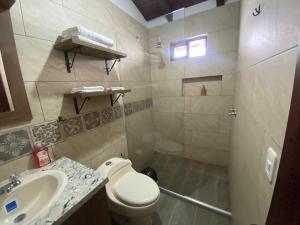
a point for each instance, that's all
(94, 212)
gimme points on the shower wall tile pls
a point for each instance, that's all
(170, 70)
(183, 117)
(169, 104)
(170, 120)
(167, 88)
(211, 140)
(216, 123)
(211, 65)
(228, 85)
(214, 105)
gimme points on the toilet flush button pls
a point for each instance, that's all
(108, 163)
(271, 164)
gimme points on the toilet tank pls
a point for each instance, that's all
(112, 166)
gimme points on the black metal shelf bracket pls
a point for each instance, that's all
(77, 107)
(113, 101)
(109, 69)
(69, 64)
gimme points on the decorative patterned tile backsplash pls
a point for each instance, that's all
(107, 115)
(16, 143)
(72, 126)
(91, 120)
(46, 134)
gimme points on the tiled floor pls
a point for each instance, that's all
(204, 182)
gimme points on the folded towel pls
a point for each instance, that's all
(117, 88)
(83, 32)
(87, 89)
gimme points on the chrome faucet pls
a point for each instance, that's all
(14, 182)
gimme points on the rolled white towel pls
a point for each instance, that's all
(91, 35)
(117, 88)
(87, 89)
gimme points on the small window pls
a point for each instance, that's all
(188, 48)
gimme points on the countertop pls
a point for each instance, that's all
(83, 183)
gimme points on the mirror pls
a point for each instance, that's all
(14, 105)
(6, 103)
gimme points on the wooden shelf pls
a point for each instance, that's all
(97, 93)
(87, 96)
(87, 48)
(77, 46)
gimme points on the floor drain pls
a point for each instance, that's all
(19, 218)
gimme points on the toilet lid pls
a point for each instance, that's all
(136, 189)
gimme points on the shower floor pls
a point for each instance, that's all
(204, 182)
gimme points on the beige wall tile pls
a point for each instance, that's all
(100, 10)
(16, 166)
(92, 69)
(210, 140)
(211, 65)
(205, 155)
(287, 33)
(222, 41)
(169, 104)
(40, 62)
(263, 93)
(17, 18)
(194, 89)
(167, 88)
(272, 93)
(204, 122)
(34, 102)
(214, 105)
(170, 120)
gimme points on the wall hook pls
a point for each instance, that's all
(257, 11)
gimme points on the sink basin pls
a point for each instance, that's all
(33, 197)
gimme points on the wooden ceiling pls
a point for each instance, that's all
(152, 9)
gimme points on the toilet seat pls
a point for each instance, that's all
(136, 189)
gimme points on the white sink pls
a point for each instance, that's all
(33, 197)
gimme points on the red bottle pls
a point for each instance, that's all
(41, 156)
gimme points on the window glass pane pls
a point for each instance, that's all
(180, 51)
(197, 47)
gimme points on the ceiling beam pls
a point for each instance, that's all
(6, 4)
(164, 6)
(220, 3)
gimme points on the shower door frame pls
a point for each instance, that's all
(285, 205)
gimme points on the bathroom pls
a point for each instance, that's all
(186, 115)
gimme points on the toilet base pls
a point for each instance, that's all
(122, 220)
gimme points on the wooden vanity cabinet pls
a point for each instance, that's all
(93, 212)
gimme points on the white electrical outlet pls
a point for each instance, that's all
(271, 162)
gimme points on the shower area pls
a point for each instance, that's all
(185, 135)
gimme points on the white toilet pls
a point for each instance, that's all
(132, 196)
